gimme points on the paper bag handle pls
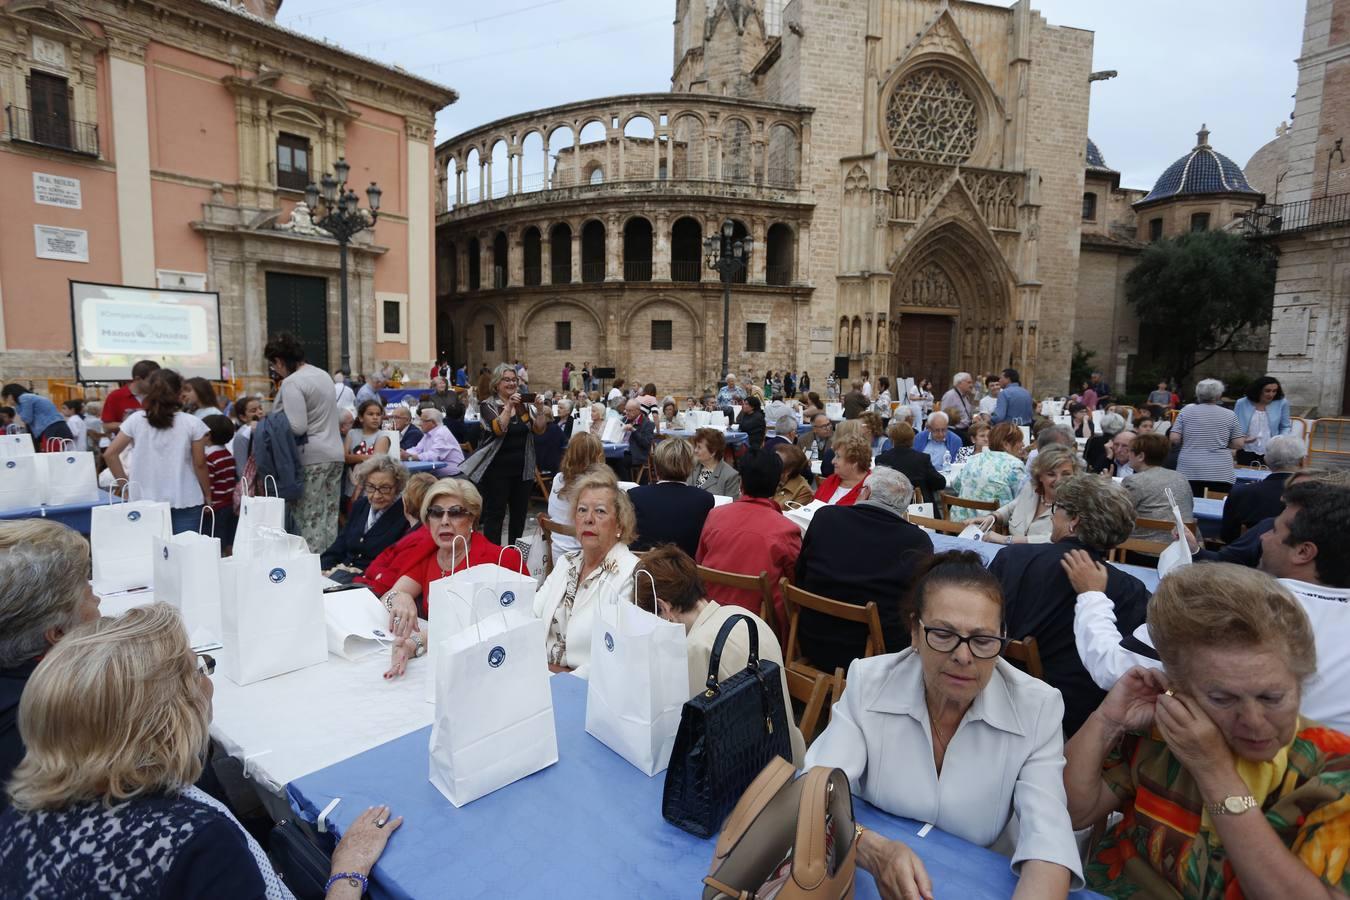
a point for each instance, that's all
(126, 495)
(519, 555)
(473, 608)
(652, 581)
(201, 520)
(454, 542)
(275, 492)
(112, 493)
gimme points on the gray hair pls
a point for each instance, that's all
(433, 413)
(497, 374)
(1285, 453)
(960, 377)
(1113, 424)
(376, 380)
(46, 568)
(1209, 390)
(1056, 436)
(890, 488)
(938, 415)
(1104, 511)
(786, 426)
(346, 414)
(386, 464)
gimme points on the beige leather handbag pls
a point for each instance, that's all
(776, 841)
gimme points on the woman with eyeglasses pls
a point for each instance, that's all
(450, 510)
(373, 523)
(104, 804)
(504, 465)
(438, 444)
(946, 732)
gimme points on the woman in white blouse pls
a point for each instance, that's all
(946, 732)
(1027, 517)
(602, 568)
(584, 452)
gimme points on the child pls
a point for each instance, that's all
(73, 410)
(220, 468)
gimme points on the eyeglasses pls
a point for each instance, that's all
(206, 664)
(453, 512)
(944, 640)
(386, 490)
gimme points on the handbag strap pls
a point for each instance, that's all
(808, 853)
(715, 661)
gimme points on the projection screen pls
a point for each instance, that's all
(115, 326)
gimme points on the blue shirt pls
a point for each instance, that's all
(1014, 405)
(38, 413)
(461, 377)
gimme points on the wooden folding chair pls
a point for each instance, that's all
(1165, 525)
(814, 693)
(951, 500)
(1027, 653)
(759, 583)
(541, 484)
(943, 526)
(1215, 495)
(548, 528)
(1148, 551)
(795, 598)
(918, 496)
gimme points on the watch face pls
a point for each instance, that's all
(1235, 804)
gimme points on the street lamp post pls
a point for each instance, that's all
(728, 259)
(343, 218)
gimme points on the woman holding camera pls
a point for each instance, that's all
(503, 466)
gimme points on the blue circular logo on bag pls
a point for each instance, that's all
(609, 642)
(496, 656)
(507, 598)
(70, 460)
(277, 575)
(134, 516)
(166, 552)
(10, 464)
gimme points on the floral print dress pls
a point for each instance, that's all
(991, 475)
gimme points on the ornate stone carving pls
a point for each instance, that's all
(996, 196)
(930, 286)
(929, 116)
(912, 188)
(856, 180)
(302, 221)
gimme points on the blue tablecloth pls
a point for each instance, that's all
(589, 826)
(397, 395)
(1251, 474)
(1209, 514)
(987, 552)
(73, 515)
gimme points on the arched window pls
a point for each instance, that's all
(736, 152)
(499, 261)
(686, 250)
(560, 253)
(639, 145)
(784, 159)
(597, 175)
(475, 264)
(533, 164)
(778, 254)
(739, 233)
(637, 250)
(532, 247)
(593, 252)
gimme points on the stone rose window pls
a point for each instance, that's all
(930, 117)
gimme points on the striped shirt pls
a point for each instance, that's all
(221, 470)
(1206, 430)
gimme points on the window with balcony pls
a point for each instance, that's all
(778, 254)
(292, 162)
(47, 120)
(562, 335)
(637, 250)
(686, 250)
(532, 248)
(560, 253)
(663, 334)
(756, 337)
(593, 252)
(1200, 221)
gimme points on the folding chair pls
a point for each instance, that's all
(1165, 525)
(1215, 495)
(943, 526)
(759, 583)
(1027, 653)
(815, 694)
(795, 598)
(548, 528)
(1148, 550)
(950, 500)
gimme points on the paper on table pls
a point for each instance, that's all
(1178, 553)
(720, 500)
(357, 623)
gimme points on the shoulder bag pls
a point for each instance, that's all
(727, 734)
(787, 838)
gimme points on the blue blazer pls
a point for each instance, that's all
(357, 547)
(953, 442)
(670, 513)
(1277, 413)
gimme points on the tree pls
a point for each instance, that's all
(1080, 367)
(1195, 293)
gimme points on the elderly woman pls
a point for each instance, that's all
(450, 510)
(438, 444)
(994, 475)
(979, 441)
(1208, 435)
(852, 463)
(1027, 518)
(584, 454)
(1097, 452)
(1262, 414)
(104, 804)
(416, 543)
(670, 510)
(602, 570)
(680, 596)
(374, 522)
(980, 740)
(937, 440)
(1226, 790)
(1149, 484)
(710, 471)
(793, 488)
(671, 417)
(503, 465)
(45, 593)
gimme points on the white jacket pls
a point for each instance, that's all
(613, 579)
(1006, 757)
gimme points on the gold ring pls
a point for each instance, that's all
(1169, 693)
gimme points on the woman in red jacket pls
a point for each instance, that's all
(852, 463)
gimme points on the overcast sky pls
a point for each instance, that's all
(1227, 63)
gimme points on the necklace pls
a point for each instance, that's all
(937, 730)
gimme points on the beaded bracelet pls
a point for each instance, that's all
(353, 878)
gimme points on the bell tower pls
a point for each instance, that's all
(717, 44)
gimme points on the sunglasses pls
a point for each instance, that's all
(452, 512)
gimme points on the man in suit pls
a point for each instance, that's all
(1091, 514)
(670, 511)
(409, 435)
(853, 554)
(914, 465)
(1250, 502)
(855, 402)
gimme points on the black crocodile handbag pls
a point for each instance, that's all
(727, 735)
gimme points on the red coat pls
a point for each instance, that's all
(481, 552)
(415, 556)
(749, 536)
(829, 485)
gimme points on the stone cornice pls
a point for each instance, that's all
(324, 99)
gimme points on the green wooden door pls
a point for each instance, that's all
(299, 304)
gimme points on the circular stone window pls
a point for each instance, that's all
(930, 117)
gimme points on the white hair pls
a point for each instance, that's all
(346, 414)
(890, 487)
(786, 425)
(1209, 390)
(938, 415)
(1285, 453)
(435, 414)
(1113, 423)
(960, 377)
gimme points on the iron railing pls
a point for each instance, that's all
(1301, 215)
(562, 274)
(592, 272)
(533, 276)
(778, 275)
(686, 270)
(59, 132)
(637, 270)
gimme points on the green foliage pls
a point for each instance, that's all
(1196, 292)
(1080, 367)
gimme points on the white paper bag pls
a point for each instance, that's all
(17, 444)
(835, 411)
(70, 477)
(802, 514)
(637, 684)
(613, 433)
(494, 708)
(271, 610)
(1178, 553)
(720, 500)
(257, 513)
(121, 542)
(186, 573)
(921, 509)
(973, 533)
(357, 624)
(22, 481)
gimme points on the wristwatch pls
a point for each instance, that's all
(1232, 806)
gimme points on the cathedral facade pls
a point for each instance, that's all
(910, 174)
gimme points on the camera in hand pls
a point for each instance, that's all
(528, 397)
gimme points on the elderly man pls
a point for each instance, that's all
(784, 431)
(371, 390)
(44, 594)
(1118, 466)
(884, 550)
(1014, 401)
(437, 444)
(961, 396)
(639, 434)
(342, 391)
(855, 401)
(937, 439)
(815, 442)
(409, 436)
(1250, 502)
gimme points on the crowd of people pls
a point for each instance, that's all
(1184, 741)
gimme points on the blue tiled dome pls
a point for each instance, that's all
(1095, 160)
(1202, 171)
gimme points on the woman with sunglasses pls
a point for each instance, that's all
(450, 511)
(946, 732)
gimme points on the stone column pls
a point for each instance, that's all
(661, 248)
(613, 249)
(515, 256)
(576, 255)
(485, 267)
(545, 255)
(758, 256)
